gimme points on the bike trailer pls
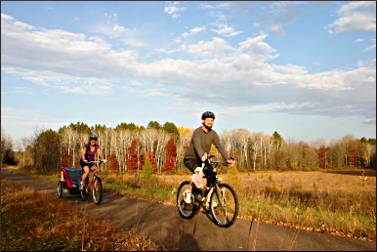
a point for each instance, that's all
(72, 178)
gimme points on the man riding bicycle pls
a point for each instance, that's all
(200, 145)
(88, 153)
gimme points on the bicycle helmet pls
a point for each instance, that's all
(208, 114)
(93, 137)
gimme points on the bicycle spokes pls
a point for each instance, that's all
(224, 205)
(97, 190)
(186, 202)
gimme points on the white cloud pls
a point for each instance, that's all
(157, 94)
(113, 30)
(214, 48)
(272, 107)
(142, 90)
(372, 47)
(359, 40)
(290, 69)
(191, 32)
(227, 31)
(278, 15)
(63, 82)
(172, 8)
(355, 16)
(17, 90)
(213, 5)
(257, 45)
(370, 121)
(134, 42)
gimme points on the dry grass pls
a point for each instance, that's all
(34, 221)
(341, 204)
(324, 202)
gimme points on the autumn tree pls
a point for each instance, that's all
(171, 155)
(128, 126)
(7, 153)
(152, 159)
(46, 152)
(323, 156)
(277, 140)
(113, 164)
(183, 144)
(133, 158)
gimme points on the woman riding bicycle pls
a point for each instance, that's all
(88, 153)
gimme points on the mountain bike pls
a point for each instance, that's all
(218, 199)
(95, 185)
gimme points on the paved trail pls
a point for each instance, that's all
(163, 225)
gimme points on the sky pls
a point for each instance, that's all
(304, 69)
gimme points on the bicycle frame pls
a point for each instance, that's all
(211, 166)
(221, 209)
(90, 182)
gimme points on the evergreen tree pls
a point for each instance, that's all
(154, 125)
(170, 127)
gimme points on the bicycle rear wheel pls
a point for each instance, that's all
(224, 205)
(97, 190)
(187, 207)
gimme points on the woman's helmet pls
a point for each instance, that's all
(208, 114)
(93, 137)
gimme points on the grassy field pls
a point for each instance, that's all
(342, 202)
(319, 201)
(34, 221)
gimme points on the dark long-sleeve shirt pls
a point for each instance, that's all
(201, 142)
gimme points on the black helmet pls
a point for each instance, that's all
(208, 114)
(93, 137)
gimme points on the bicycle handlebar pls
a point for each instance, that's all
(216, 162)
(96, 161)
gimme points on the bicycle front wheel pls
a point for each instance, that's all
(84, 194)
(186, 201)
(97, 190)
(224, 205)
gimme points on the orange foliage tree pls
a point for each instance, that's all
(113, 164)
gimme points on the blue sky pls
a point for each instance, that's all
(304, 69)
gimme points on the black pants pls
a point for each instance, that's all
(192, 164)
(83, 164)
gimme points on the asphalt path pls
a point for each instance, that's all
(163, 225)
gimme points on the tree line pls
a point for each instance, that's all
(127, 146)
